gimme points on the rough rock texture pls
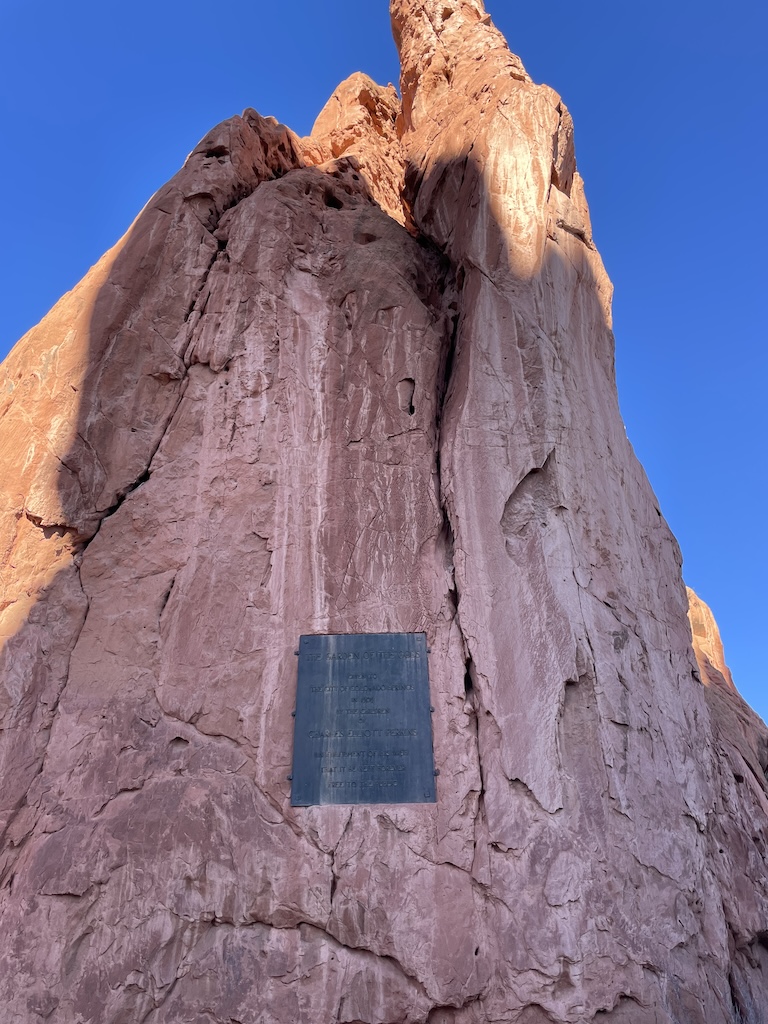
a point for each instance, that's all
(740, 741)
(361, 382)
(360, 123)
(707, 645)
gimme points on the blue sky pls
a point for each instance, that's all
(101, 103)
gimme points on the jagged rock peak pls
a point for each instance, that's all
(473, 119)
(707, 645)
(359, 123)
(440, 38)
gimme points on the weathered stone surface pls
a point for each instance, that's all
(360, 124)
(707, 645)
(360, 382)
(740, 740)
(736, 723)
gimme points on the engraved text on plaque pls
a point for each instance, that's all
(363, 730)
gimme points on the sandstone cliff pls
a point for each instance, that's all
(361, 382)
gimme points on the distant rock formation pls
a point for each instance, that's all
(707, 645)
(361, 382)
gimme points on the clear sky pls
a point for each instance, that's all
(100, 104)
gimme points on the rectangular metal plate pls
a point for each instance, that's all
(363, 730)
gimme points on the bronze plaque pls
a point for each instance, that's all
(363, 729)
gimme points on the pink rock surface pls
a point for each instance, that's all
(361, 382)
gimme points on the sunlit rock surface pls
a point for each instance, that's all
(361, 382)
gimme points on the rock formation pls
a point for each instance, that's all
(707, 645)
(361, 382)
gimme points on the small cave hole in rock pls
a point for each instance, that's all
(405, 392)
(167, 596)
(178, 743)
(468, 684)
(333, 201)
(739, 778)
(217, 151)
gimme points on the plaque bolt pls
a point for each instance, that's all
(293, 714)
(437, 771)
(432, 710)
(290, 778)
(296, 652)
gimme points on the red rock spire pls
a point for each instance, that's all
(360, 383)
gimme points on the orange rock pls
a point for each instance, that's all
(707, 645)
(359, 124)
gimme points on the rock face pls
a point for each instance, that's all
(361, 382)
(707, 645)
